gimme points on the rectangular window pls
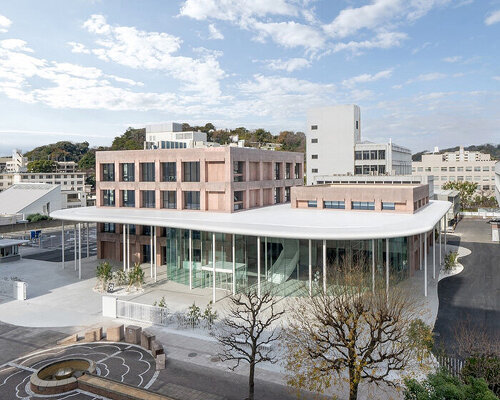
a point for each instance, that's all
(277, 195)
(169, 199)
(366, 155)
(128, 172)
(238, 200)
(452, 169)
(427, 169)
(287, 194)
(469, 169)
(444, 169)
(191, 171)
(452, 178)
(444, 178)
(420, 169)
(373, 154)
(110, 228)
(314, 156)
(486, 169)
(148, 199)
(486, 187)
(388, 205)
(277, 171)
(357, 124)
(312, 203)
(298, 166)
(146, 230)
(468, 178)
(358, 155)
(337, 205)
(168, 171)
(288, 170)
(381, 154)
(363, 205)
(477, 169)
(315, 140)
(191, 200)
(460, 169)
(148, 172)
(477, 178)
(108, 172)
(381, 169)
(128, 198)
(108, 198)
(460, 178)
(314, 127)
(358, 170)
(314, 170)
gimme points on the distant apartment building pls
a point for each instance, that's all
(458, 167)
(334, 147)
(171, 136)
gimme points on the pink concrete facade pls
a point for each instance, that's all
(230, 178)
(385, 198)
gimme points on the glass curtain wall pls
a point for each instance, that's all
(177, 255)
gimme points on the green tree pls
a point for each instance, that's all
(262, 136)
(466, 190)
(42, 166)
(87, 162)
(443, 386)
(132, 139)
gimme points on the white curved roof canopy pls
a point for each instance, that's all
(274, 221)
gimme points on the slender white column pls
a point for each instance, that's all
(324, 266)
(88, 246)
(440, 244)
(151, 253)
(74, 241)
(420, 251)
(310, 268)
(258, 266)
(79, 251)
(190, 259)
(234, 264)
(425, 264)
(155, 253)
(124, 229)
(213, 268)
(373, 265)
(387, 268)
(434, 253)
(62, 243)
(265, 257)
(445, 229)
(128, 247)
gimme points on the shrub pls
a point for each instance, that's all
(37, 217)
(120, 277)
(485, 367)
(443, 386)
(104, 273)
(450, 260)
(194, 315)
(209, 315)
(136, 276)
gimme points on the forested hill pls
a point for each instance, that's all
(493, 150)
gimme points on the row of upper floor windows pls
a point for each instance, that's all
(452, 169)
(355, 205)
(469, 178)
(190, 171)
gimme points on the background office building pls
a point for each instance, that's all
(334, 147)
(457, 167)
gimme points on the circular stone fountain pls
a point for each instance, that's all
(60, 376)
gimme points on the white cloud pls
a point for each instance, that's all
(290, 34)
(379, 13)
(497, 78)
(453, 59)
(155, 51)
(432, 76)
(290, 65)
(214, 32)
(15, 44)
(493, 18)
(78, 48)
(234, 10)
(383, 40)
(421, 47)
(5, 23)
(364, 78)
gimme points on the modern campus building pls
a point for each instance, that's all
(458, 167)
(171, 136)
(226, 218)
(334, 147)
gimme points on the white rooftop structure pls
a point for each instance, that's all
(171, 136)
(30, 198)
(274, 221)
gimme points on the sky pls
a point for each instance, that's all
(424, 72)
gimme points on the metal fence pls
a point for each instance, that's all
(451, 364)
(483, 214)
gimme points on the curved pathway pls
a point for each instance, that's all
(472, 296)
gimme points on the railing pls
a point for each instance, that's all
(451, 364)
(484, 214)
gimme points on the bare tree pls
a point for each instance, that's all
(352, 329)
(248, 331)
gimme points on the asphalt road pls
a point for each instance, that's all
(473, 296)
